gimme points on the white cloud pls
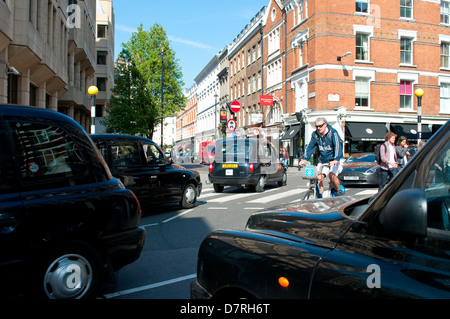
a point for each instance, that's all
(172, 38)
(125, 28)
(190, 43)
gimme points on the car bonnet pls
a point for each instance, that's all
(316, 222)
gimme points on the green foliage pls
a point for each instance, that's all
(136, 104)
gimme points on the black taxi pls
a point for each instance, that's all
(142, 167)
(246, 162)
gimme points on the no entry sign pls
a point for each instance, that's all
(235, 106)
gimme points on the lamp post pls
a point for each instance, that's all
(419, 93)
(215, 116)
(162, 54)
(93, 91)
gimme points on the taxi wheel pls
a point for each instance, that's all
(218, 188)
(283, 181)
(189, 196)
(259, 187)
(69, 271)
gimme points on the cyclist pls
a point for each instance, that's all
(329, 143)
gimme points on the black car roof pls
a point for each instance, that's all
(34, 113)
(120, 136)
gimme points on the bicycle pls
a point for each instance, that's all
(314, 189)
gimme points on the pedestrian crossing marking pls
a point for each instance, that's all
(274, 197)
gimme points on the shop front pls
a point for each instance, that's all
(363, 136)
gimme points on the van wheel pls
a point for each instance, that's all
(69, 271)
(259, 187)
(218, 188)
(283, 181)
(189, 196)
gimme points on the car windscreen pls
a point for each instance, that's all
(366, 158)
(235, 151)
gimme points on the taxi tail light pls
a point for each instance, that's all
(138, 205)
(251, 168)
(210, 167)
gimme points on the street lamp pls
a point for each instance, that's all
(93, 91)
(162, 54)
(419, 93)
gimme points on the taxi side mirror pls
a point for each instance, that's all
(406, 213)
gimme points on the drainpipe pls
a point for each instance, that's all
(262, 67)
(285, 61)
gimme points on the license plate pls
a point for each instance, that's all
(229, 172)
(230, 165)
(351, 178)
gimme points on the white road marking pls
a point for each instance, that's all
(150, 286)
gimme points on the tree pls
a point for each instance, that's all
(136, 104)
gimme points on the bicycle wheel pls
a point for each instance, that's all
(309, 195)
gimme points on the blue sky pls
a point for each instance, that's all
(197, 29)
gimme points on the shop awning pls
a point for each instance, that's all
(290, 133)
(358, 131)
(410, 131)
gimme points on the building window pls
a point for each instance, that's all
(406, 8)
(362, 46)
(33, 95)
(274, 41)
(445, 98)
(362, 6)
(445, 11)
(102, 31)
(101, 57)
(445, 55)
(300, 11)
(362, 92)
(406, 95)
(406, 50)
(101, 84)
(259, 80)
(274, 73)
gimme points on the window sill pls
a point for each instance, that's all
(363, 62)
(363, 108)
(407, 111)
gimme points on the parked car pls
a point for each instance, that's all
(142, 167)
(246, 162)
(360, 169)
(394, 245)
(65, 223)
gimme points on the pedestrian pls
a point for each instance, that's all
(389, 163)
(285, 157)
(327, 140)
(402, 151)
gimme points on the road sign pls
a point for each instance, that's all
(231, 125)
(235, 106)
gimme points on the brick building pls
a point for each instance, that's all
(245, 73)
(357, 63)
